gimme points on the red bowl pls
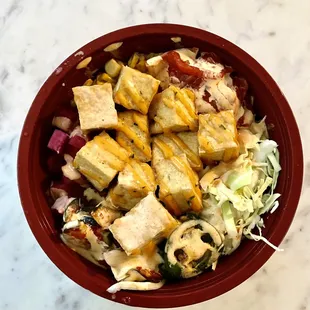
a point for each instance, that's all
(33, 178)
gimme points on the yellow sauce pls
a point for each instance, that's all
(181, 96)
(123, 142)
(191, 156)
(137, 99)
(138, 178)
(207, 124)
(204, 142)
(149, 175)
(108, 144)
(132, 136)
(167, 198)
(121, 99)
(178, 107)
(165, 149)
(141, 121)
(182, 165)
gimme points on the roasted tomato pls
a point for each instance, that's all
(185, 73)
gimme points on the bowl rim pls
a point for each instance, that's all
(142, 299)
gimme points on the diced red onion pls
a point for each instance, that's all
(74, 145)
(58, 141)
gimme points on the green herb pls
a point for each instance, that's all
(170, 271)
(222, 126)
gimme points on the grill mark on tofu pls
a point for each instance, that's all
(182, 165)
(167, 198)
(181, 192)
(165, 148)
(138, 176)
(120, 156)
(173, 110)
(191, 156)
(217, 136)
(134, 182)
(133, 134)
(183, 107)
(171, 144)
(136, 97)
(135, 90)
(100, 159)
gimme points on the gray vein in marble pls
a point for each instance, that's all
(4, 75)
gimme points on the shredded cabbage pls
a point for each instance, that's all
(266, 147)
(244, 189)
(229, 220)
(239, 178)
(223, 193)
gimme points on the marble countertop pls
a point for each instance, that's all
(35, 36)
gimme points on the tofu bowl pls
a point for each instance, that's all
(176, 194)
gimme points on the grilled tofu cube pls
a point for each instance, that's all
(148, 222)
(217, 137)
(178, 185)
(96, 106)
(100, 159)
(132, 133)
(105, 216)
(170, 144)
(135, 90)
(134, 183)
(173, 110)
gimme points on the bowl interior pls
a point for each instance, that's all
(34, 180)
